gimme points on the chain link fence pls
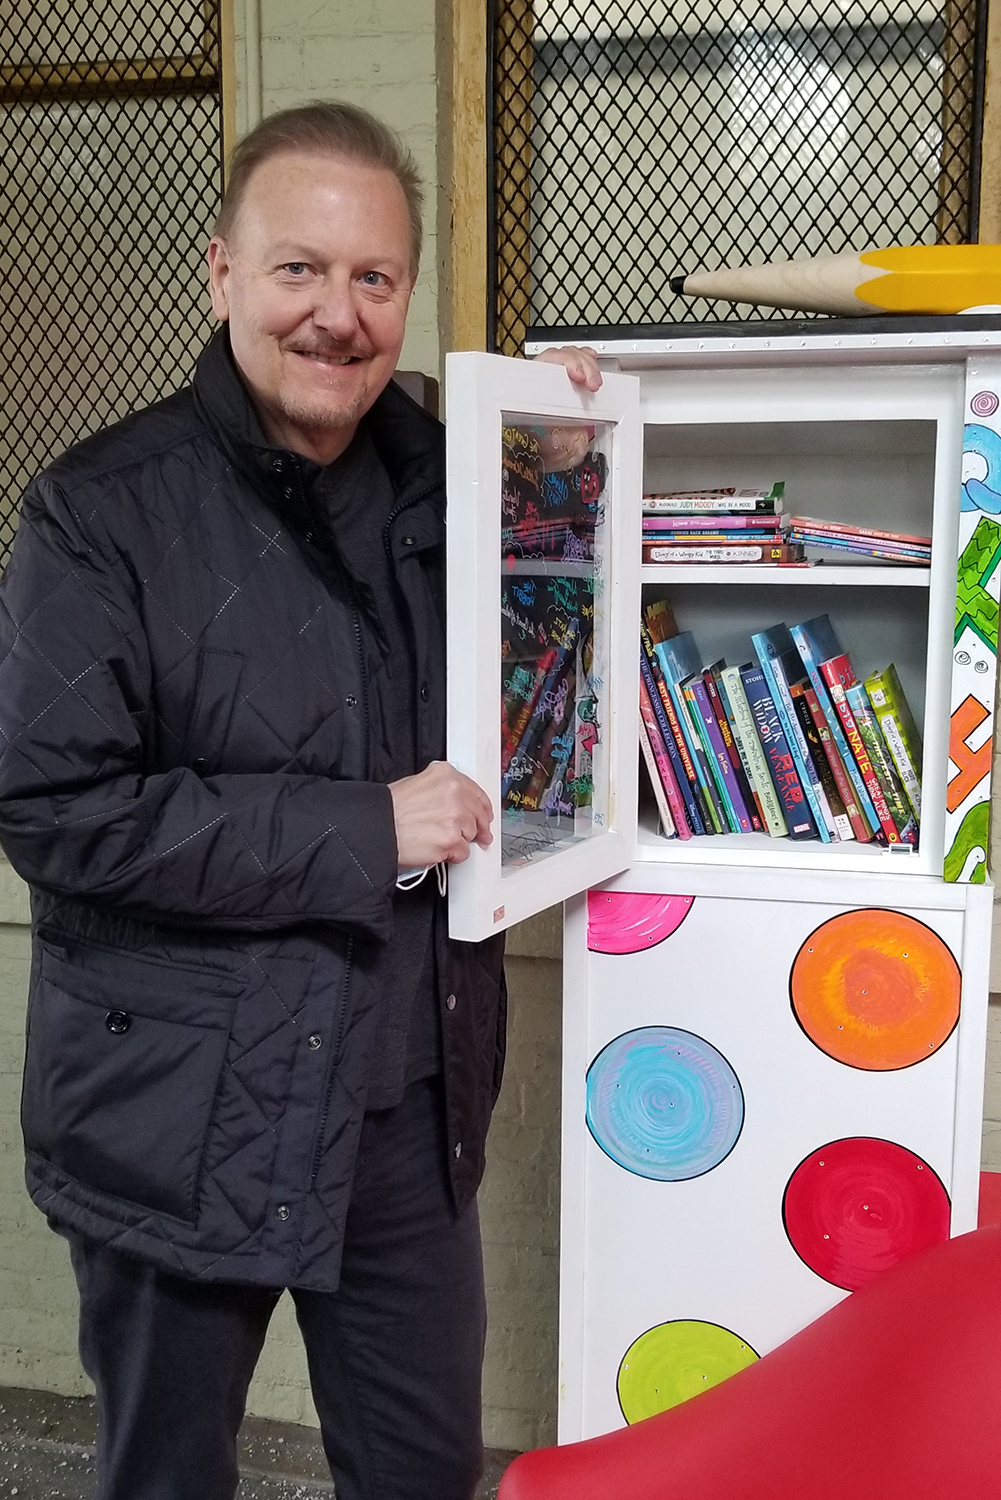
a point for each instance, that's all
(638, 139)
(111, 146)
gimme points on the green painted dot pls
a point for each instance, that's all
(674, 1361)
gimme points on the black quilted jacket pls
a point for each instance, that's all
(188, 784)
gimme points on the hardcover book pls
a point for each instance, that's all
(836, 673)
(816, 641)
(755, 762)
(899, 730)
(882, 763)
(771, 733)
(781, 665)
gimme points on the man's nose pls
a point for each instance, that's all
(334, 310)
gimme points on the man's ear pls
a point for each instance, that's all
(219, 271)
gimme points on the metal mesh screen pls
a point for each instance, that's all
(637, 139)
(111, 146)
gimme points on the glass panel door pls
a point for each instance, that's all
(543, 539)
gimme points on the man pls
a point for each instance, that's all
(253, 1062)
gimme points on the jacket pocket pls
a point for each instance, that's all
(215, 699)
(123, 1063)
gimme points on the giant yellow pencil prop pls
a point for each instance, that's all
(904, 279)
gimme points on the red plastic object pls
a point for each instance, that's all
(990, 1199)
(894, 1394)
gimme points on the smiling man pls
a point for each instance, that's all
(255, 1061)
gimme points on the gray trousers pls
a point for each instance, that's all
(394, 1354)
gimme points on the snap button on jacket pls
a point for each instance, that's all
(211, 855)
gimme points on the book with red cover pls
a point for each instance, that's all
(839, 675)
(860, 826)
(810, 523)
(757, 521)
(842, 823)
(663, 766)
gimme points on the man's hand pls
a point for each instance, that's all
(580, 364)
(439, 813)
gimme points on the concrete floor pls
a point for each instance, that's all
(47, 1453)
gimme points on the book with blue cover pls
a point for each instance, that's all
(795, 808)
(780, 662)
(679, 660)
(816, 641)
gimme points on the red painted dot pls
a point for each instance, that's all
(856, 1207)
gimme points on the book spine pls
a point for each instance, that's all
(713, 816)
(842, 823)
(812, 665)
(899, 731)
(720, 707)
(649, 705)
(860, 550)
(775, 746)
(755, 762)
(882, 764)
(723, 804)
(736, 552)
(521, 708)
(790, 728)
(810, 523)
(729, 790)
(656, 760)
(758, 521)
(832, 676)
(674, 740)
(846, 789)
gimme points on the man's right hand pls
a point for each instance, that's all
(439, 813)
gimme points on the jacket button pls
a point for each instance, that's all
(450, 1002)
(199, 764)
(118, 1022)
(288, 492)
(310, 536)
(351, 701)
(278, 465)
(458, 1150)
(408, 541)
(425, 693)
(316, 1042)
(282, 1212)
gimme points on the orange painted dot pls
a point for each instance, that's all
(876, 989)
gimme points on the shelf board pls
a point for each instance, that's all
(838, 575)
(783, 853)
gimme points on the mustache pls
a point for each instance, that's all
(328, 350)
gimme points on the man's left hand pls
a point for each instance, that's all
(580, 364)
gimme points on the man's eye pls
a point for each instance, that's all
(374, 278)
(295, 267)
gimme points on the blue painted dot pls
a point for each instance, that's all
(664, 1103)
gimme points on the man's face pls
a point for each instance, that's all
(315, 282)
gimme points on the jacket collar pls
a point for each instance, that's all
(410, 442)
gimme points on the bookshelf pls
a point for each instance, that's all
(700, 941)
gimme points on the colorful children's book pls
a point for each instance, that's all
(659, 768)
(846, 788)
(899, 730)
(717, 698)
(708, 726)
(816, 642)
(755, 763)
(675, 743)
(714, 502)
(717, 552)
(771, 733)
(679, 661)
(781, 665)
(882, 763)
(835, 673)
(842, 823)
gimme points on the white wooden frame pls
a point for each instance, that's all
(483, 899)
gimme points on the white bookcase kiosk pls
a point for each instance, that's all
(773, 1050)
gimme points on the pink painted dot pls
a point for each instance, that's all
(629, 921)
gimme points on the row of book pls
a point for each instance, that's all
(863, 541)
(718, 526)
(748, 526)
(790, 744)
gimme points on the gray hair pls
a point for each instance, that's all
(325, 128)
